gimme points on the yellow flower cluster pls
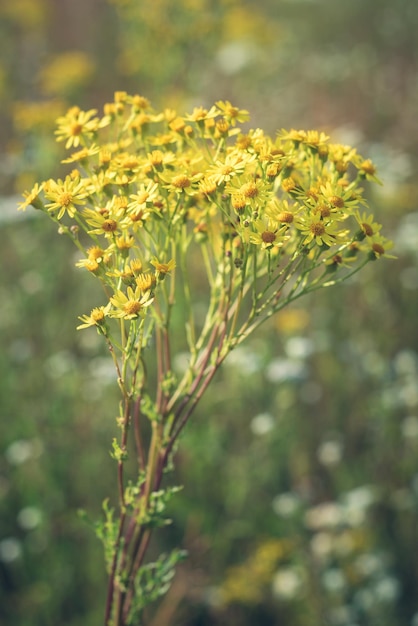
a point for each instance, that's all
(150, 184)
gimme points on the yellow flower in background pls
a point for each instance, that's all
(27, 14)
(39, 116)
(66, 72)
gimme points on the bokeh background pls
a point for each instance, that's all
(300, 504)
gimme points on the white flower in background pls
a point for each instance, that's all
(262, 424)
(387, 589)
(369, 563)
(287, 583)
(299, 347)
(322, 545)
(10, 549)
(357, 502)
(325, 515)
(286, 504)
(330, 452)
(29, 517)
(22, 450)
(280, 370)
(334, 580)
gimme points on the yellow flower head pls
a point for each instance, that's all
(77, 126)
(130, 306)
(232, 114)
(163, 268)
(32, 198)
(97, 317)
(65, 195)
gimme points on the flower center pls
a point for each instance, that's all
(268, 236)
(376, 247)
(76, 129)
(109, 226)
(367, 229)
(181, 182)
(65, 199)
(97, 315)
(317, 229)
(249, 190)
(286, 217)
(132, 307)
(336, 201)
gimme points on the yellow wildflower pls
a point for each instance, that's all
(163, 268)
(77, 125)
(97, 317)
(32, 198)
(267, 234)
(321, 232)
(129, 306)
(232, 114)
(65, 195)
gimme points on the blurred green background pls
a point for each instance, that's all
(300, 505)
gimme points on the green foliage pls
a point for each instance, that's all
(152, 581)
(107, 532)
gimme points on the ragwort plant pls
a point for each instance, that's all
(155, 199)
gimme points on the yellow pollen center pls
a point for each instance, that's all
(336, 201)
(286, 217)
(324, 210)
(317, 229)
(65, 199)
(227, 169)
(97, 315)
(250, 190)
(109, 226)
(137, 217)
(76, 129)
(368, 167)
(238, 202)
(132, 307)
(181, 182)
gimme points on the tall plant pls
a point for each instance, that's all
(188, 213)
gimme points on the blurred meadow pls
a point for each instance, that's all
(300, 468)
